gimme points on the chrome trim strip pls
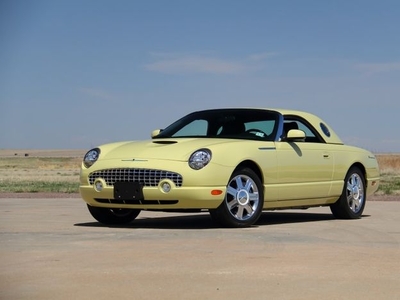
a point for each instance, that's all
(267, 148)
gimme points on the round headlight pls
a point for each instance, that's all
(91, 157)
(199, 159)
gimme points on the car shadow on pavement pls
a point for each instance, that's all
(204, 221)
(276, 218)
(184, 221)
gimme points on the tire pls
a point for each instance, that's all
(243, 201)
(351, 203)
(113, 216)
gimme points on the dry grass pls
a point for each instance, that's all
(58, 170)
(389, 165)
(6, 153)
(40, 170)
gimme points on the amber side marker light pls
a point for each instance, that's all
(216, 192)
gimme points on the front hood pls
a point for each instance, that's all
(167, 149)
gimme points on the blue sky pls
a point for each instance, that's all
(76, 74)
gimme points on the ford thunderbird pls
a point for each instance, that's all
(233, 163)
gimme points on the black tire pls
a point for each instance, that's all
(113, 216)
(243, 201)
(351, 203)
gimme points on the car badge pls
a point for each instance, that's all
(133, 159)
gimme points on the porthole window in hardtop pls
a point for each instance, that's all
(325, 129)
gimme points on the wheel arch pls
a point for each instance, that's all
(253, 166)
(361, 167)
(350, 204)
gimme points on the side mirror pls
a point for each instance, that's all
(296, 135)
(156, 132)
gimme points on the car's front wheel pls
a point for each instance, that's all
(113, 216)
(243, 201)
(351, 203)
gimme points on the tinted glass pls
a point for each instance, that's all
(252, 124)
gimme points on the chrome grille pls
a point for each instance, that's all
(146, 177)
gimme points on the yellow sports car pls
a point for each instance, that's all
(233, 162)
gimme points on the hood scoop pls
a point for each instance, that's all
(165, 142)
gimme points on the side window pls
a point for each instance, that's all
(195, 128)
(311, 136)
(306, 129)
(261, 127)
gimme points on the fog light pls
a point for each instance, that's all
(98, 186)
(166, 187)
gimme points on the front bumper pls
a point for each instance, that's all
(156, 199)
(194, 191)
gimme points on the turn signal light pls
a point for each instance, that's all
(216, 192)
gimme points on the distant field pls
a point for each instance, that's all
(389, 165)
(7, 153)
(57, 171)
(32, 171)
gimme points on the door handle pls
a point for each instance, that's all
(326, 155)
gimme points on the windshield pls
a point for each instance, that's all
(251, 124)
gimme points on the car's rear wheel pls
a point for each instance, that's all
(243, 201)
(114, 216)
(351, 203)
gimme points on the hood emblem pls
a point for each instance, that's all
(133, 159)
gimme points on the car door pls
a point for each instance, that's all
(305, 168)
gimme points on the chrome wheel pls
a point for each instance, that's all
(243, 201)
(242, 197)
(351, 203)
(355, 193)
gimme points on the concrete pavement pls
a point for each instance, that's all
(53, 249)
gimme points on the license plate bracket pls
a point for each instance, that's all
(128, 191)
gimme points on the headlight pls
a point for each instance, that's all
(199, 159)
(91, 157)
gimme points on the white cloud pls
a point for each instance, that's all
(205, 62)
(261, 56)
(374, 68)
(174, 55)
(196, 64)
(382, 145)
(97, 93)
